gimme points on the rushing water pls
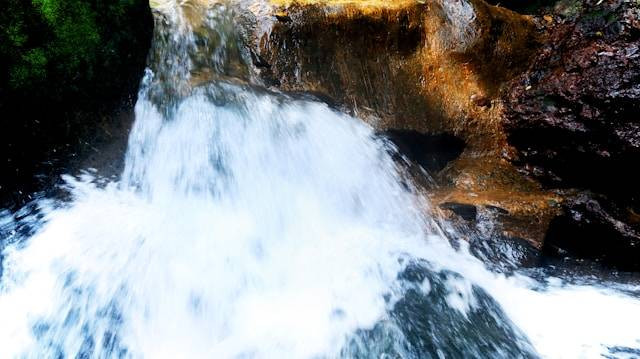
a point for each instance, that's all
(248, 224)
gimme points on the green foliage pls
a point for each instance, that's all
(31, 69)
(50, 9)
(64, 41)
(75, 33)
(16, 35)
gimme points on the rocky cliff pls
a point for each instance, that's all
(428, 75)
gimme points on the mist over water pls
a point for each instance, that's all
(248, 224)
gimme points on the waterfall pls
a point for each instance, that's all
(253, 224)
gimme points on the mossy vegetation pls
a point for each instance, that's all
(65, 42)
(69, 67)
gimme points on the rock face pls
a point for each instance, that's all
(426, 74)
(430, 66)
(574, 119)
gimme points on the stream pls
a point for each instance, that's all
(254, 224)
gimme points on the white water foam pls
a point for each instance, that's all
(287, 246)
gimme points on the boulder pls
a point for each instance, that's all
(427, 66)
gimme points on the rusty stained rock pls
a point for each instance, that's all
(492, 186)
(576, 108)
(430, 66)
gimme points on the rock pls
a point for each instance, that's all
(499, 213)
(431, 152)
(573, 119)
(480, 100)
(468, 212)
(590, 228)
(429, 66)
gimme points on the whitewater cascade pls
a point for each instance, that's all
(250, 224)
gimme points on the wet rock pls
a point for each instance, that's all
(590, 228)
(440, 315)
(498, 213)
(429, 67)
(509, 205)
(468, 212)
(573, 119)
(491, 110)
(419, 315)
(480, 100)
(425, 74)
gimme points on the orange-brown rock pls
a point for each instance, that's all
(521, 208)
(434, 66)
(430, 66)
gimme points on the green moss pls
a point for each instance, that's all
(568, 8)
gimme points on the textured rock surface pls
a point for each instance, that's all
(428, 66)
(574, 113)
(574, 119)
